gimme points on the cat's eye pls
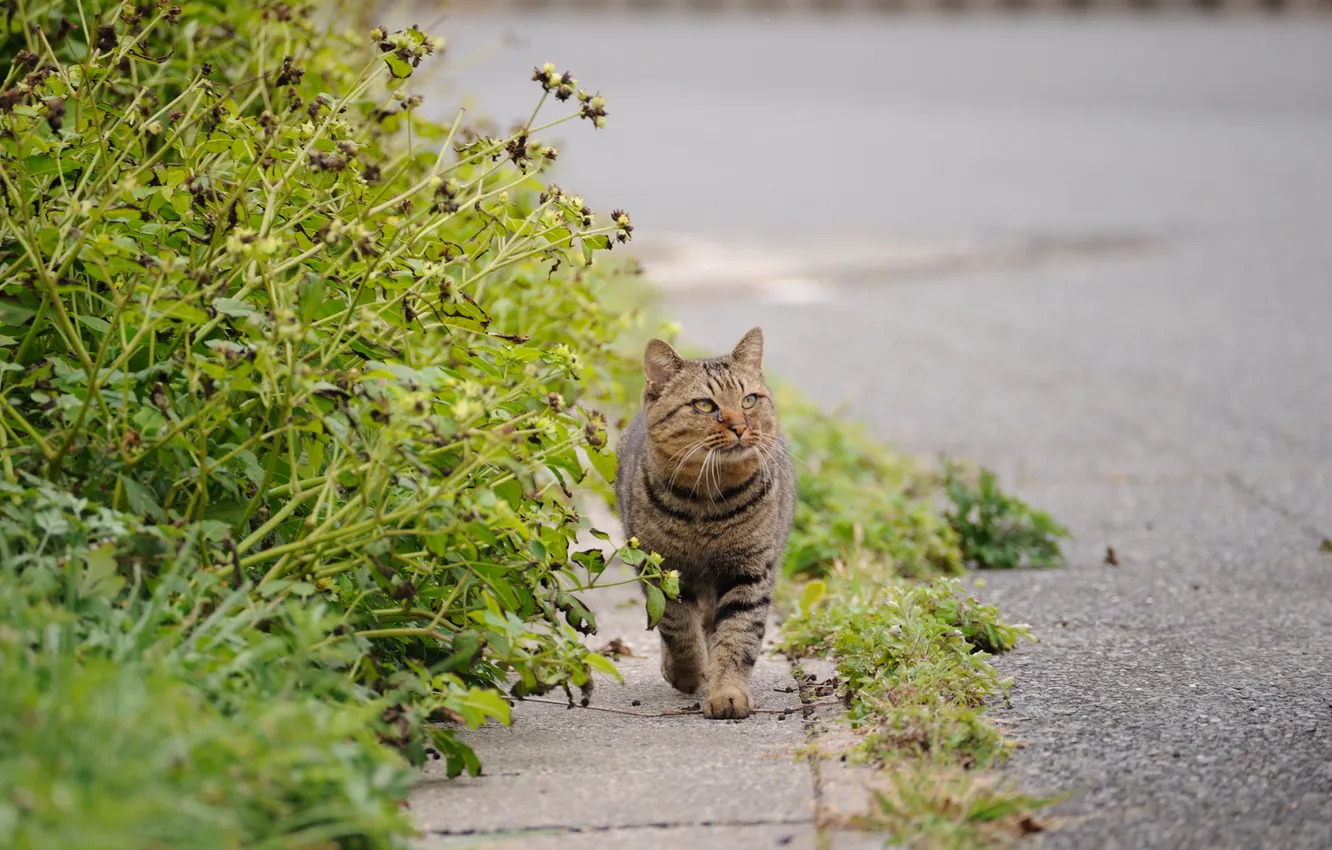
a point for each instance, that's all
(704, 405)
(749, 401)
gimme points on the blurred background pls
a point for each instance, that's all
(868, 182)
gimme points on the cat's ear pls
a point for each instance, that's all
(749, 350)
(660, 363)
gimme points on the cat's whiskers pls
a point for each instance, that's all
(693, 449)
(706, 460)
(763, 458)
(777, 445)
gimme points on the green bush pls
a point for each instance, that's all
(289, 373)
(998, 530)
(860, 502)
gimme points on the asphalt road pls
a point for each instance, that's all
(1171, 398)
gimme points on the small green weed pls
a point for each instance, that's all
(998, 530)
(929, 805)
(915, 679)
(860, 502)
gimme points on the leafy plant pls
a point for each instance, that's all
(295, 389)
(860, 502)
(867, 585)
(998, 530)
(914, 678)
(191, 715)
(963, 811)
(912, 664)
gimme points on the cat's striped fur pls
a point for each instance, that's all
(705, 480)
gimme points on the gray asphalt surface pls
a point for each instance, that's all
(1173, 401)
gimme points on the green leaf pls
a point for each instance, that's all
(99, 579)
(141, 500)
(182, 310)
(656, 604)
(312, 297)
(812, 594)
(14, 314)
(489, 703)
(399, 68)
(99, 325)
(233, 307)
(602, 664)
(633, 557)
(603, 461)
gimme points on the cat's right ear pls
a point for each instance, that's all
(660, 363)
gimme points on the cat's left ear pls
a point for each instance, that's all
(749, 350)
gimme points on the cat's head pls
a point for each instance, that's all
(717, 403)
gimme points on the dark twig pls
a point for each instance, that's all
(678, 712)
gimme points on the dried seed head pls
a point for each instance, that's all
(327, 162)
(55, 113)
(625, 228)
(289, 75)
(106, 38)
(594, 108)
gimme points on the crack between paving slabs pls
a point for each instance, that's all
(809, 700)
(562, 829)
(1262, 500)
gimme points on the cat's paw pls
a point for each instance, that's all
(728, 703)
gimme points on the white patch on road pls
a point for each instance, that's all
(795, 290)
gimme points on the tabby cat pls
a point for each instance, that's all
(705, 480)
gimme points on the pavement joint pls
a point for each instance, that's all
(568, 829)
(1260, 499)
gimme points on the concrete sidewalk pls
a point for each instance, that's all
(590, 779)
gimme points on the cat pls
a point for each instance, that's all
(705, 480)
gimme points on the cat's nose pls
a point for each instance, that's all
(737, 426)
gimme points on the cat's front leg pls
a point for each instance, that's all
(743, 598)
(684, 655)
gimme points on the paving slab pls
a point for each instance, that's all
(596, 774)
